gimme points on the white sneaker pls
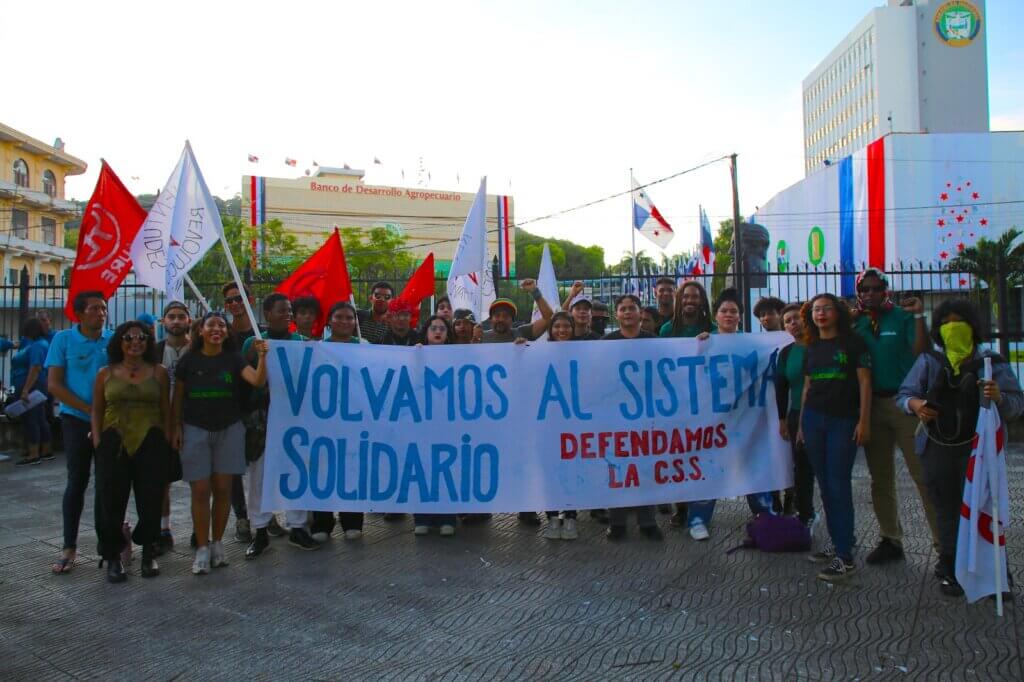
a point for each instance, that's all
(447, 530)
(421, 530)
(699, 531)
(353, 534)
(321, 537)
(569, 531)
(201, 564)
(217, 557)
(554, 529)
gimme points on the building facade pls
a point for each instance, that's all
(909, 67)
(430, 220)
(33, 209)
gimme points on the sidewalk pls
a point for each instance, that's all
(495, 602)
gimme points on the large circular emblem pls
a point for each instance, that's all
(102, 238)
(957, 22)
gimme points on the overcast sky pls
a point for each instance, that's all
(553, 101)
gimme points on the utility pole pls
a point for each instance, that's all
(737, 239)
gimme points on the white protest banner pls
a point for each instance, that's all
(504, 427)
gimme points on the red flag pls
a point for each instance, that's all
(111, 220)
(419, 287)
(324, 276)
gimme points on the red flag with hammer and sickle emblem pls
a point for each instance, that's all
(324, 276)
(109, 225)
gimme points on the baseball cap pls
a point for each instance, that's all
(146, 318)
(464, 314)
(581, 300)
(175, 304)
(498, 302)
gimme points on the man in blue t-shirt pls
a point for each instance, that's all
(75, 357)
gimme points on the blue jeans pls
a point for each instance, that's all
(831, 451)
(35, 426)
(79, 452)
(433, 519)
(701, 511)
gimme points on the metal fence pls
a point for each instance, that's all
(17, 302)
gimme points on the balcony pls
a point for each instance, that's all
(39, 200)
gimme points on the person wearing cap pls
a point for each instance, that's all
(895, 336)
(149, 320)
(503, 315)
(581, 309)
(627, 313)
(176, 321)
(400, 331)
(463, 324)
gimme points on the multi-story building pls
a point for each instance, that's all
(33, 209)
(909, 67)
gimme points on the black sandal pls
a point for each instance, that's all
(950, 587)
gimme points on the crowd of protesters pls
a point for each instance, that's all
(194, 407)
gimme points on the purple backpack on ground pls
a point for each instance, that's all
(772, 533)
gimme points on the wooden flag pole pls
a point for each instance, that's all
(352, 300)
(238, 280)
(195, 291)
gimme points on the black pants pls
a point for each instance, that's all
(117, 474)
(323, 522)
(238, 498)
(945, 468)
(79, 453)
(803, 473)
(644, 516)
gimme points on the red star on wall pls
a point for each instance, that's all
(984, 222)
(959, 218)
(941, 222)
(963, 282)
(944, 196)
(975, 195)
(968, 183)
(944, 255)
(960, 246)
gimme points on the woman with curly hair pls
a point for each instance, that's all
(130, 420)
(835, 420)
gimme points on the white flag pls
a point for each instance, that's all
(976, 548)
(548, 286)
(180, 228)
(471, 279)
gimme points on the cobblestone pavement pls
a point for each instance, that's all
(495, 602)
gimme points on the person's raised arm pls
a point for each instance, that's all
(538, 326)
(915, 307)
(576, 290)
(99, 405)
(258, 376)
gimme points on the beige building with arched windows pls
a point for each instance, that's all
(33, 209)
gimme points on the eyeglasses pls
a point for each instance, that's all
(381, 297)
(823, 309)
(864, 289)
(233, 299)
(135, 338)
(438, 329)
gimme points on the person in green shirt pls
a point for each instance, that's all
(895, 336)
(789, 387)
(691, 316)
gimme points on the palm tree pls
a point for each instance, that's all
(644, 263)
(991, 261)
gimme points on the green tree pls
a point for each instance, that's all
(644, 263)
(375, 253)
(983, 262)
(580, 262)
(282, 254)
(723, 257)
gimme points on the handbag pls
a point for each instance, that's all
(774, 533)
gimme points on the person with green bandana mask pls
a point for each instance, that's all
(944, 390)
(895, 335)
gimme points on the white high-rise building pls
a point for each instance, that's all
(909, 67)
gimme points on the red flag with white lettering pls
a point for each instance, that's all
(110, 222)
(419, 287)
(324, 276)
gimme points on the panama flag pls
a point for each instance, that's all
(180, 228)
(647, 220)
(470, 279)
(978, 558)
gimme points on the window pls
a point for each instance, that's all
(12, 276)
(50, 231)
(49, 183)
(21, 173)
(19, 223)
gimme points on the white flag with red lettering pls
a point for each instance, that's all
(976, 563)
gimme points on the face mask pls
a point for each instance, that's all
(958, 341)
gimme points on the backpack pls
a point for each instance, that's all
(773, 533)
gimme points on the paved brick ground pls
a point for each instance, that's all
(495, 602)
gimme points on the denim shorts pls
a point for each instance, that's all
(204, 453)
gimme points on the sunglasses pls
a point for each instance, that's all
(233, 299)
(879, 288)
(135, 338)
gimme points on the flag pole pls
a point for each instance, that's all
(632, 213)
(238, 280)
(352, 300)
(993, 485)
(197, 294)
